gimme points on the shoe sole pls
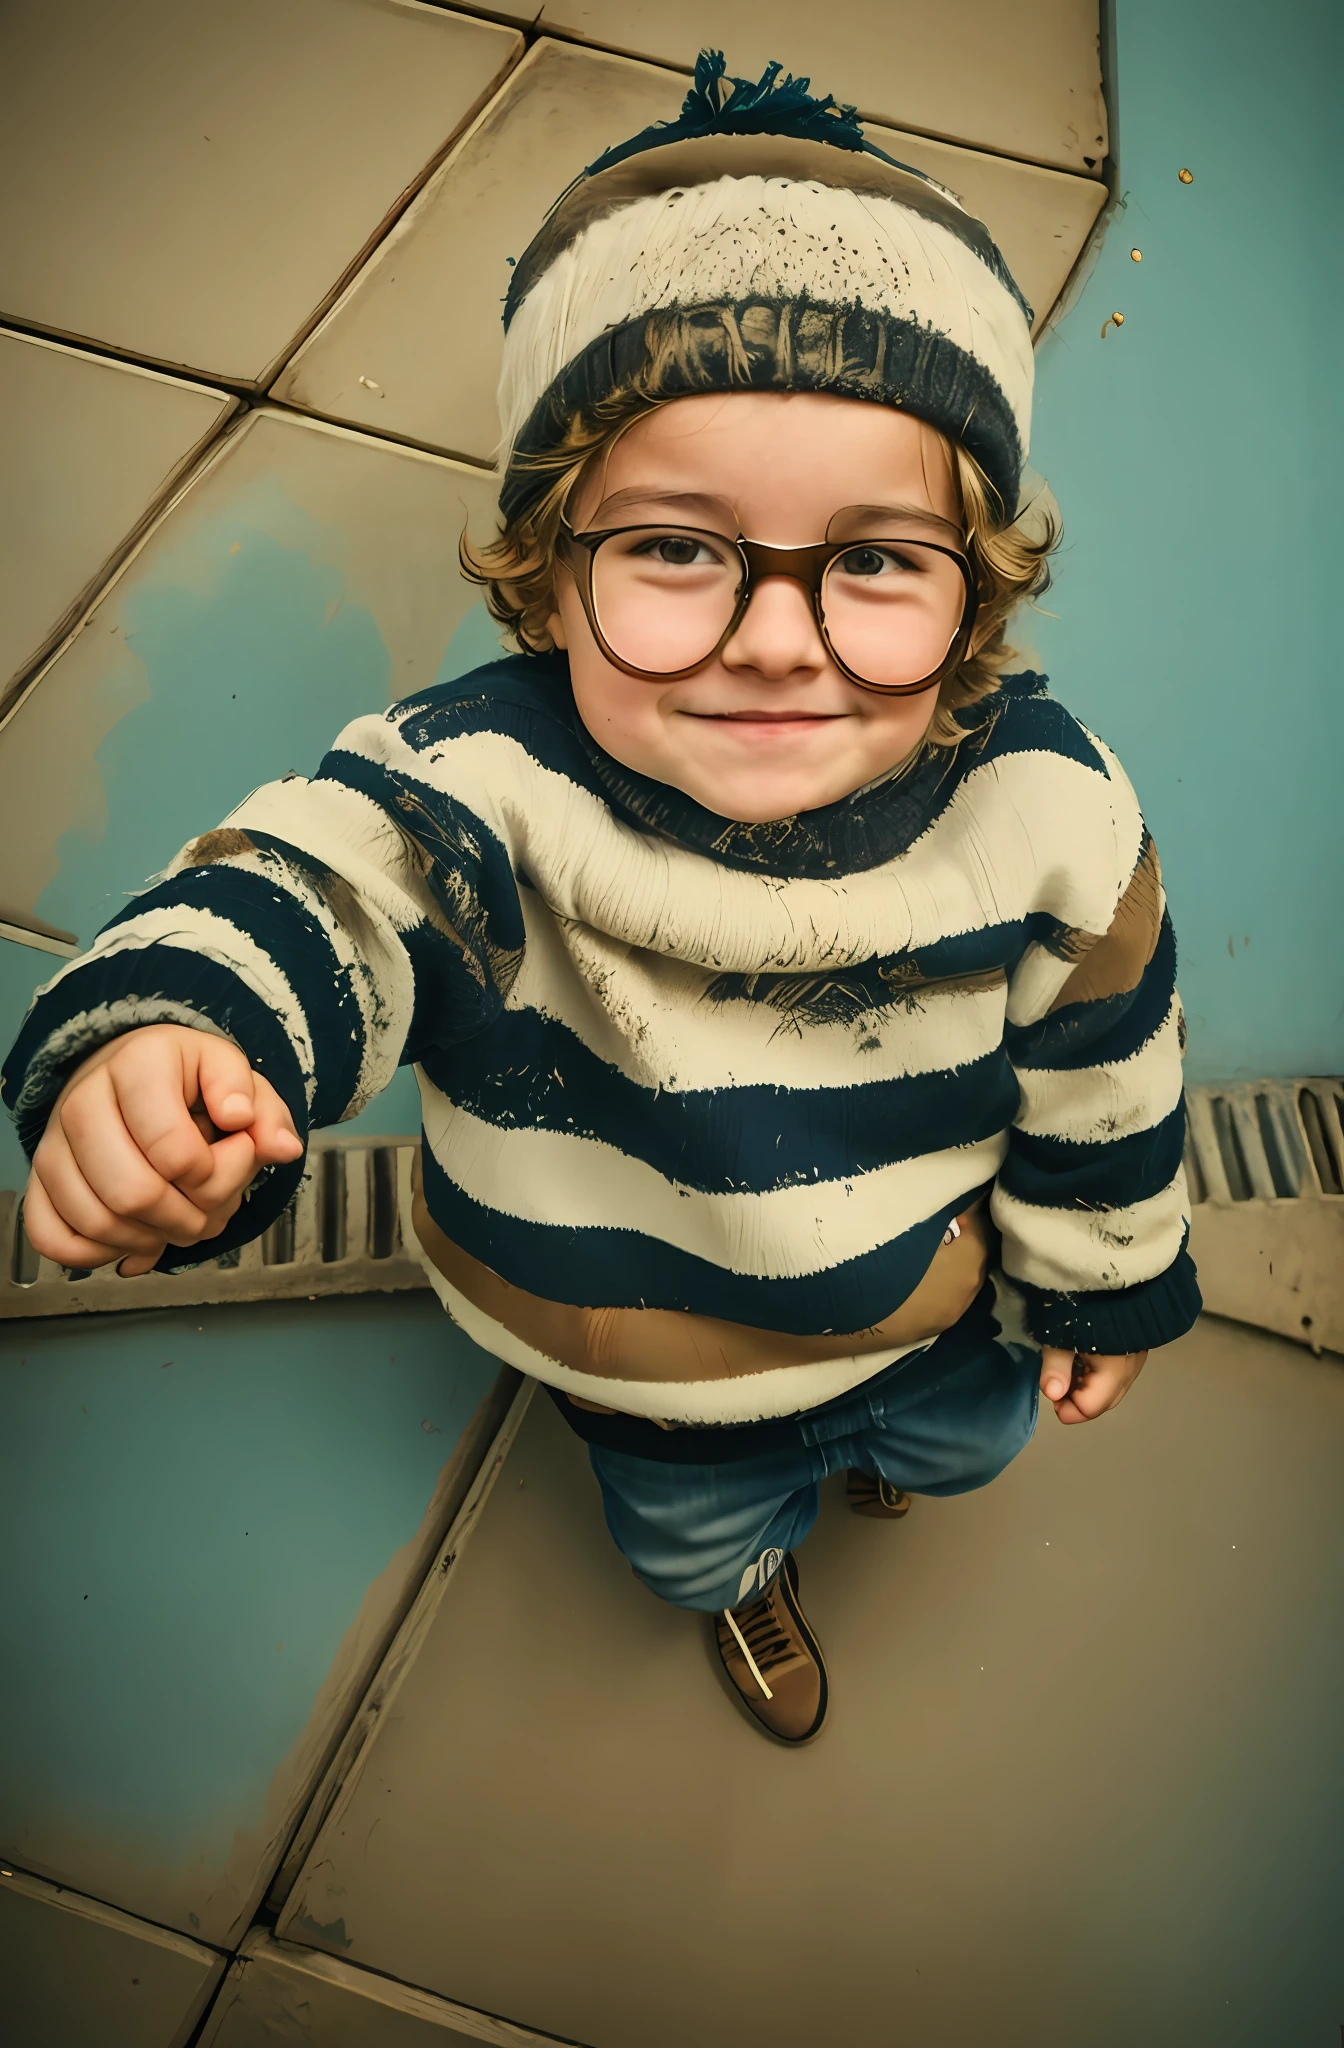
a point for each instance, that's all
(789, 1591)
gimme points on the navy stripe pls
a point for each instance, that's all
(287, 932)
(1107, 1031)
(1055, 1173)
(150, 975)
(592, 1267)
(472, 876)
(1111, 1321)
(529, 1072)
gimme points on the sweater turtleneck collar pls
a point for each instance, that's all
(874, 825)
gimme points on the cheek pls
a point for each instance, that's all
(618, 710)
(896, 725)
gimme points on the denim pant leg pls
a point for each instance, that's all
(949, 1429)
(707, 1536)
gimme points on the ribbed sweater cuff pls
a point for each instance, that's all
(1125, 1319)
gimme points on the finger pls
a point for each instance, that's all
(1101, 1384)
(114, 1167)
(224, 1081)
(52, 1238)
(1056, 1372)
(230, 1167)
(136, 1263)
(219, 1218)
(272, 1130)
(154, 1093)
(79, 1206)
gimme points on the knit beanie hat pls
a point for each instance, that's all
(762, 242)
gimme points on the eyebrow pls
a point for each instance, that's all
(702, 502)
(651, 494)
(901, 513)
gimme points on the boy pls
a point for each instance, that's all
(773, 967)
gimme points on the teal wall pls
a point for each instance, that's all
(1195, 454)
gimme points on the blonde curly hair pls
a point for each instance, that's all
(517, 569)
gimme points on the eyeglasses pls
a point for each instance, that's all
(896, 615)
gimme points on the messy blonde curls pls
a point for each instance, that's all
(517, 570)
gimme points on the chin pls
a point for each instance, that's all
(755, 806)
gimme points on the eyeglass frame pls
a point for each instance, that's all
(805, 565)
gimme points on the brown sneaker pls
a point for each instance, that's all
(877, 1497)
(774, 1660)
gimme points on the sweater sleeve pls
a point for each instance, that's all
(1091, 1199)
(332, 929)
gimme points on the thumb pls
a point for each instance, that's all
(1056, 1372)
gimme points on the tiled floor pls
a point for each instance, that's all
(1081, 1786)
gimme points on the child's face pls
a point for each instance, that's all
(770, 726)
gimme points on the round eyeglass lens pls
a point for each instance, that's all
(664, 598)
(892, 609)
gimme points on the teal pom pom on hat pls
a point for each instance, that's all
(762, 241)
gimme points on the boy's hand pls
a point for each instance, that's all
(1084, 1384)
(151, 1142)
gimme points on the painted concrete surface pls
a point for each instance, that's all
(1081, 1781)
(189, 184)
(308, 575)
(213, 1519)
(87, 447)
(1195, 455)
(74, 1973)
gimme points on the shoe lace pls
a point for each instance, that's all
(762, 1638)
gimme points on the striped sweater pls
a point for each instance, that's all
(700, 1098)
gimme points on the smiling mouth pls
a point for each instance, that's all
(769, 717)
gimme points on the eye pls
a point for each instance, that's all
(870, 561)
(678, 551)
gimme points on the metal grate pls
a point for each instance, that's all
(1265, 1163)
(347, 1231)
(1266, 1141)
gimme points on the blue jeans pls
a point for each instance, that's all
(708, 1536)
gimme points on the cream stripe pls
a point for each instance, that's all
(547, 1177)
(649, 1017)
(1086, 1249)
(1031, 831)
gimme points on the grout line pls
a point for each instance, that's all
(388, 439)
(343, 1772)
(364, 256)
(110, 351)
(207, 452)
(13, 1868)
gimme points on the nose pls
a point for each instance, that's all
(777, 636)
